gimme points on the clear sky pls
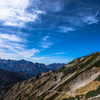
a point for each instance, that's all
(49, 31)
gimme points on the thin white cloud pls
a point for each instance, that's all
(48, 5)
(27, 53)
(38, 11)
(5, 54)
(37, 58)
(13, 47)
(46, 44)
(97, 13)
(90, 19)
(13, 12)
(54, 6)
(45, 38)
(59, 53)
(9, 52)
(10, 37)
(66, 29)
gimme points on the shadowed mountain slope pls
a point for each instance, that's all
(25, 75)
(9, 77)
(77, 80)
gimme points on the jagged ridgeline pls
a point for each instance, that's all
(77, 80)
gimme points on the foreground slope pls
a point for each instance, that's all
(78, 80)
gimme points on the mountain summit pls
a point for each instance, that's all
(77, 80)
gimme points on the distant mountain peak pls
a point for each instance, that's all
(23, 60)
(97, 52)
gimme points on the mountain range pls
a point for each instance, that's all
(77, 80)
(27, 66)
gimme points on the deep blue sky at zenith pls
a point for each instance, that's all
(49, 31)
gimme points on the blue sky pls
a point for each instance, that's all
(49, 31)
